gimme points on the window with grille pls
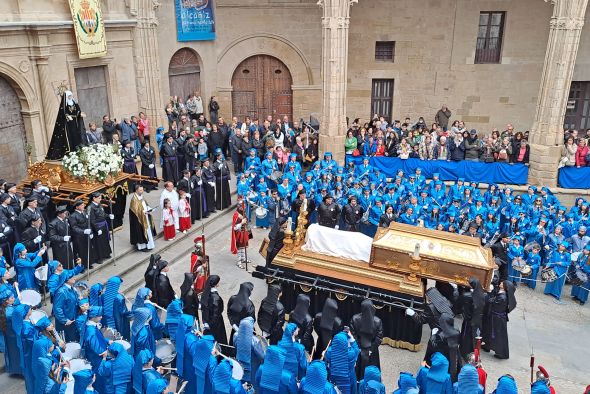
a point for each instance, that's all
(489, 37)
(382, 98)
(385, 50)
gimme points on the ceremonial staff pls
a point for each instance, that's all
(89, 235)
(111, 217)
(532, 365)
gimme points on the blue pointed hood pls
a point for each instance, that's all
(142, 295)
(18, 248)
(222, 377)
(94, 295)
(316, 378)
(122, 364)
(185, 325)
(174, 312)
(372, 373)
(506, 385)
(110, 293)
(201, 354)
(540, 387)
(468, 381)
(142, 358)
(82, 380)
(18, 315)
(339, 362)
(274, 360)
(374, 387)
(244, 340)
(406, 381)
(140, 319)
(439, 368)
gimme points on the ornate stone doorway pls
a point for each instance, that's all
(184, 73)
(12, 134)
(261, 87)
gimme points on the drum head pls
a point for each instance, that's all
(12, 272)
(526, 270)
(261, 212)
(237, 372)
(30, 297)
(41, 273)
(36, 315)
(78, 364)
(126, 345)
(73, 350)
(108, 333)
(165, 350)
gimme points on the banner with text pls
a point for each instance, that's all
(195, 20)
(89, 28)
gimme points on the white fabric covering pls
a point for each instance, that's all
(336, 243)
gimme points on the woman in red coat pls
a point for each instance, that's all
(581, 153)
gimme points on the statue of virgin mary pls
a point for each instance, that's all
(69, 131)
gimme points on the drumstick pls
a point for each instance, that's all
(182, 386)
(17, 290)
(169, 369)
(156, 305)
(324, 352)
(311, 354)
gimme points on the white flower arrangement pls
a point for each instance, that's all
(95, 162)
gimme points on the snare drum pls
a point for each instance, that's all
(73, 350)
(579, 278)
(12, 272)
(165, 350)
(41, 273)
(78, 364)
(70, 386)
(526, 270)
(548, 275)
(31, 298)
(36, 315)
(126, 345)
(110, 334)
(261, 212)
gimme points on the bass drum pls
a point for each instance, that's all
(579, 278)
(548, 275)
(261, 212)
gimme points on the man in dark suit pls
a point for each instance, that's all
(500, 252)
(59, 236)
(387, 217)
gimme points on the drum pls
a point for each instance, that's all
(575, 256)
(251, 195)
(41, 273)
(548, 275)
(518, 264)
(125, 344)
(261, 212)
(73, 350)
(31, 298)
(579, 278)
(526, 270)
(237, 371)
(36, 315)
(70, 386)
(78, 364)
(276, 175)
(12, 272)
(165, 350)
(110, 334)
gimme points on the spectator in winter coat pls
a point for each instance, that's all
(581, 153)
(457, 147)
(521, 155)
(442, 117)
(569, 151)
(472, 146)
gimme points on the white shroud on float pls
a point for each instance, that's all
(336, 243)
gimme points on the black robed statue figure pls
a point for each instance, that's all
(69, 132)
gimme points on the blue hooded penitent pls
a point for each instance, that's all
(288, 346)
(82, 380)
(374, 387)
(94, 294)
(506, 385)
(316, 378)
(371, 373)
(122, 364)
(244, 342)
(142, 359)
(540, 387)
(201, 353)
(18, 315)
(438, 373)
(185, 325)
(405, 382)
(110, 293)
(468, 381)
(173, 314)
(222, 377)
(339, 361)
(141, 316)
(140, 298)
(272, 369)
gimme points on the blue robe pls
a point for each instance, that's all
(513, 253)
(113, 371)
(65, 307)
(144, 340)
(204, 363)
(262, 201)
(12, 355)
(94, 345)
(25, 269)
(534, 260)
(188, 372)
(122, 316)
(560, 263)
(147, 376)
(287, 385)
(29, 335)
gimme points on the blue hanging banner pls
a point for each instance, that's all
(195, 20)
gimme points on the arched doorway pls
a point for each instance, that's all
(184, 73)
(12, 134)
(261, 87)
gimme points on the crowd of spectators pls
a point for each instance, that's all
(575, 149)
(440, 141)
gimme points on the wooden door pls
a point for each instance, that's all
(12, 135)
(577, 114)
(91, 86)
(261, 87)
(184, 73)
(382, 98)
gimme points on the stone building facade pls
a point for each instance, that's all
(270, 56)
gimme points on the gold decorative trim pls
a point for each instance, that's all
(402, 344)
